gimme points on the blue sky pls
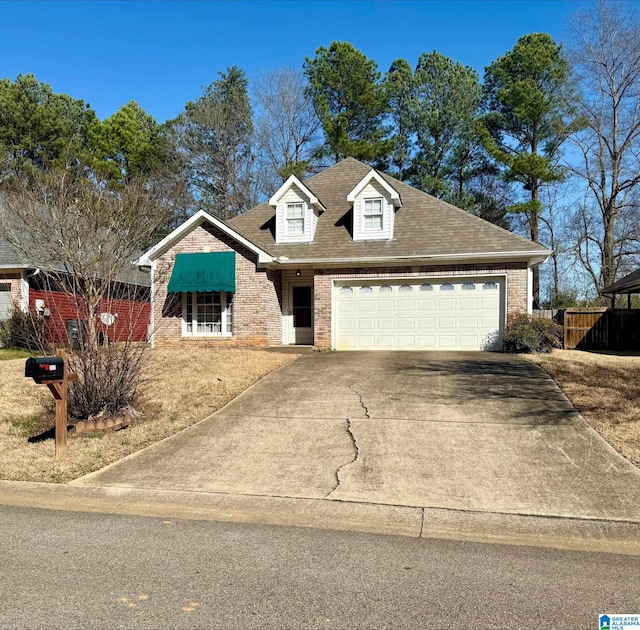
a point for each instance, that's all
(162, 53)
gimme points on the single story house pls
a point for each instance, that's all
(350, 259)
(125, 313)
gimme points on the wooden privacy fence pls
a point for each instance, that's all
(602, 329)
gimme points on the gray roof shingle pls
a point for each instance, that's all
(424, 225)
(628, 284)
(10, 259)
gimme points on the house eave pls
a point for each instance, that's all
(531, 257)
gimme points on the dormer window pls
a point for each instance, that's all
(373, 214)
(374, 202)
(295, 218)
(297, 211)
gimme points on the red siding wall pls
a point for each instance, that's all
(133, 316)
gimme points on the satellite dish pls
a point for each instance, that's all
(107, 318)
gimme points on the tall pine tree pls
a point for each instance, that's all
(350, 101)
(528, 117)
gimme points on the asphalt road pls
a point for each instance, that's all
(67, 569)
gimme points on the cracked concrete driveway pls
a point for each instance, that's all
(467, 431)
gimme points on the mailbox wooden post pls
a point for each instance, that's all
(59, 390)
(47, 370)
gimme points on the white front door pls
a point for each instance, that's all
(414, 314)
(301, 300)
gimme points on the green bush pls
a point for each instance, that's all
(526, 334)
(23, 330)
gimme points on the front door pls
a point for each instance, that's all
(302, 315)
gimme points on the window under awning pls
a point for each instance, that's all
(214, 271)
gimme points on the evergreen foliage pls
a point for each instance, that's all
(350, 101)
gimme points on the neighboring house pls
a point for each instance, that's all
(628, 285)
(126, 314)
(351, 259)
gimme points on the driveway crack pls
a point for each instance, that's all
(362, 403)
(356, 454)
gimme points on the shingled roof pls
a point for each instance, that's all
(10, 259)
(628, 284)
(424, 225)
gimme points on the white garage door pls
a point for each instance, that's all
(442, 314)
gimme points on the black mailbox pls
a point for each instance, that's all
(45, 369)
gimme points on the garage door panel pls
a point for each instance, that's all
(457, 314)
(427, 342)
(468, 322)
(447, 342)
(490, 303)
(406, 323)
(406, 342)
(367, 342)
(406, 306)
(348, 342)
(426, 304)
(385, 306)
(446, 323)
(346, 324)
(346, 306)
(446, 304)
(426, 323)
(469, 342)
(386, 323)
(386, 342)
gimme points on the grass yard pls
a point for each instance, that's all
(605, 389)
(9, 354)
(184, 386)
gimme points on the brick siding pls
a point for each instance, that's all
(258, 302)
(257, 311)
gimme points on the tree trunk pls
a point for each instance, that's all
(608, 251)
(535, 235)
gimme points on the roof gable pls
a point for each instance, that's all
(191, 224)
(373, 175)
(425, 227)
(293, 181)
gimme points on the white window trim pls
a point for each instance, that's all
(194, 327)
(289, 232)
(376, 230)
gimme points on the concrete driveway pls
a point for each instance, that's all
(466, 431)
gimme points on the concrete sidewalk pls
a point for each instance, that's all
(470, 432)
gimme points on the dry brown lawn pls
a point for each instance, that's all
(605, 389)
(185, 385)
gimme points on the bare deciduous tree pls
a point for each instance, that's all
(606, 54)
(288, 131)
(83, 238)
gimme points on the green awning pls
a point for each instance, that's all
(215, 271)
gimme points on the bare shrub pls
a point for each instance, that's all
(83, 236)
